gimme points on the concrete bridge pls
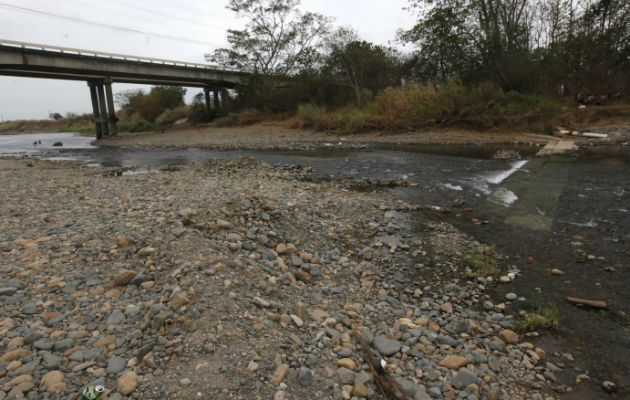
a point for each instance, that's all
(100, 70)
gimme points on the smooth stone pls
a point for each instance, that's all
(385, 346)
(463, 378)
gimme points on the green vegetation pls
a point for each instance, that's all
(476, 64)
(479, 64)
(483, 261)
(539, 318)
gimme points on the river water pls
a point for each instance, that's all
(569, 213)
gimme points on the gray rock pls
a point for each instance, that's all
(494, 364)
(116, 365)
(463, 378)
(367, 336)
(496, 344)
(7, 291)
(345, 352)
(447, 340)
(115, 318)
(50, 361)
(462, 327)
(385, 346)
(139, 279)
(43, 344)
(63, 345)
(305, 376)
(435, 391)
(29, 308)
(511, 296)
(185, 381)
(488, 305)
(346, 377)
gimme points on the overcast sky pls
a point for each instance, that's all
(180, 30)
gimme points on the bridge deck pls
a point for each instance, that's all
(39, 61)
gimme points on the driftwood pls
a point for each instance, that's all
(592, 303)
(390, 389)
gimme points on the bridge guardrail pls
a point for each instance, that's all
(113, 56)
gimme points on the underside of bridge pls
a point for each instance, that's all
(101, 70)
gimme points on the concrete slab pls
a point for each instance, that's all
(556, 147)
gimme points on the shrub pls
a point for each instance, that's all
(540, 317)
(136, 126)
(169, 117)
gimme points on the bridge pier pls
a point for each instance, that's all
(215, 97)
(103, 108)
(95, 110)
(206, 92)
(113, 129)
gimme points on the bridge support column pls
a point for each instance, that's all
(95, 110)
(225, 99)
(215, 97)
(206, 92)
(113, 129)
(103, 108)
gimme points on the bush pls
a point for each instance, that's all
(416, 106)
(136, 126)
(246, 117)
(169, 117)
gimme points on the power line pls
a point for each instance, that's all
(143, 9)
(117, 12)
(12, 7)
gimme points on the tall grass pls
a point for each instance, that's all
(416, 106)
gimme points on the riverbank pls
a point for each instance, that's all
(279, 137)
(235, 278)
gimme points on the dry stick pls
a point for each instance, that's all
(592, 303)
(387, 385)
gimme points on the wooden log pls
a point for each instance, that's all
(390, 389)
(591, 303)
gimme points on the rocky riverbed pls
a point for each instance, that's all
(237, 280)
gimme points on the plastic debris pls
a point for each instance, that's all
(93, 392)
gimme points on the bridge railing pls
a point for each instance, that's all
(112, 56)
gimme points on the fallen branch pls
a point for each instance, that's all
(387, 385)
(591, 303)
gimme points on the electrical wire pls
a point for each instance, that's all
(143, 9)
(117, 12)
(27, 10)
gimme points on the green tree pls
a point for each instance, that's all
(360, 64)
(277, 40)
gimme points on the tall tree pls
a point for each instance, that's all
(361, 65)
(277, 38)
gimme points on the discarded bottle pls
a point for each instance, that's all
(93, 392)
